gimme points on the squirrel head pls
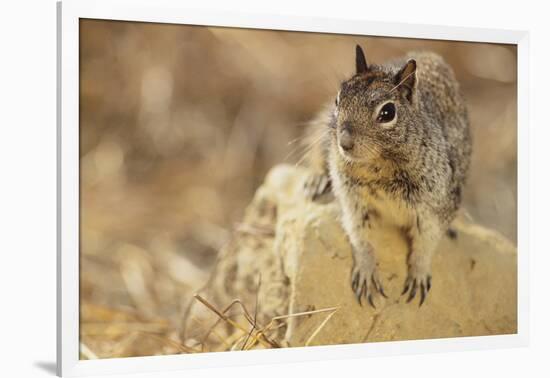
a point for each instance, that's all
(374, 110)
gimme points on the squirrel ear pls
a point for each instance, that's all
(406, 79)
(360, 61)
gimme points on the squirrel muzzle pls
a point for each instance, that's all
(345, 138)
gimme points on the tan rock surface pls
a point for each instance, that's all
(304, 259)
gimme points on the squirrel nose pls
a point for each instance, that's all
(346, 141)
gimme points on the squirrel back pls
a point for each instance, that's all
(445, 106)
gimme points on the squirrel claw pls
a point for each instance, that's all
(370, 301)
(413, 284)
(359, 290)
(412, 293)
(365, 286)
(363, 293)
(316, 185)
(422, 294)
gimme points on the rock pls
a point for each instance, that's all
(290, 255)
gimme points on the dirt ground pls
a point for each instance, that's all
(178, 127)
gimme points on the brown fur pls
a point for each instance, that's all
(409, 172)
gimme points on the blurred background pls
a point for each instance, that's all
(178, 127)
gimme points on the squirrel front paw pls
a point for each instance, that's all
(365, 281)
(419, 278)
(316, 185)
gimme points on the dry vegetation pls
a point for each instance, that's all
(179, 125)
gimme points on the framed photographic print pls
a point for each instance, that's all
(239, 188)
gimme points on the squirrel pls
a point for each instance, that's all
(394, 149)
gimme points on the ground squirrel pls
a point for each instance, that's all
(395, 149)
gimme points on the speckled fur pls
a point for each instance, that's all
(410, 175)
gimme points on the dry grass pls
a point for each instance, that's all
(257, 334)
(119, 338)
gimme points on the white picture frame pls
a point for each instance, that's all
(171, 11)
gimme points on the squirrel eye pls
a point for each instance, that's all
(387, 113)
(337, 99)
